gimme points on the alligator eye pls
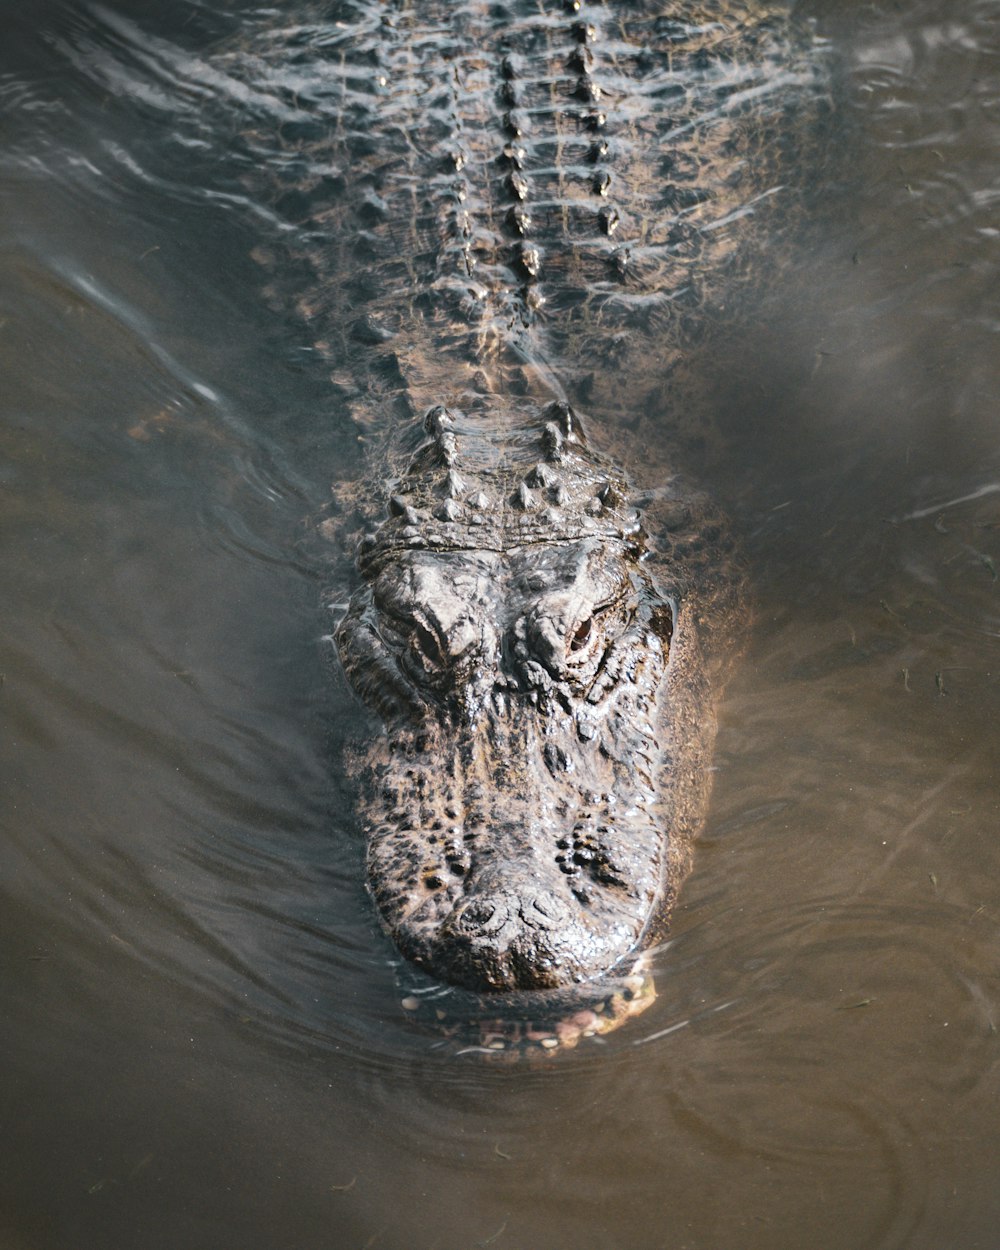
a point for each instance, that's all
(582, 635)
(428, 645)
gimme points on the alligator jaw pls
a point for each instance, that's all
(535, 1025)
(505, 864)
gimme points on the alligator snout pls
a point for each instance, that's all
(500, 917)
(504, 939)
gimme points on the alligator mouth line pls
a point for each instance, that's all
(528, 1025)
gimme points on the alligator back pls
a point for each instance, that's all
(483, 191)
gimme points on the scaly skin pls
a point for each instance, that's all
(503, 213)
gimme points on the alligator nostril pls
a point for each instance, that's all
(486, 916)
(543, 911)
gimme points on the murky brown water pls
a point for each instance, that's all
(202, 1044)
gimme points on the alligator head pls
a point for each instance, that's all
(510, 636)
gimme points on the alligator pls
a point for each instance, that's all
(541, 671)
(514, 215)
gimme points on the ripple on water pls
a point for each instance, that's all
(820, 1066)
(173, 791)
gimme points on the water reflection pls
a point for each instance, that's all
(202, 1030)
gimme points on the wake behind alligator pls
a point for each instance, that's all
(511, 219)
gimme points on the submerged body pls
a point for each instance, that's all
(517, 213)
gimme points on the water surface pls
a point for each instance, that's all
(202, 1034)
